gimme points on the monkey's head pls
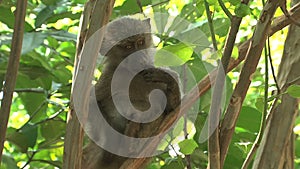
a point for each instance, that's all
(125, 36)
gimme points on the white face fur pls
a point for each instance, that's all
(125, 36)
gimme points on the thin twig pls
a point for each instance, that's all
(29, 160)
(29, 90)
(224, 8)
(159, 3)
(273, 74)
(211, 26)
(264, 113)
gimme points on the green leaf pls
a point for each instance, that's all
(62, 75)
(79, 1)
(294, 91)
(187, 146)
(32, 40)
(42, 60)
(52, 129)
(153, 166)
(130, 7)
(42, 16)
(33, 103)
(178, 127)
(8, 3)
(259, 104)
(212, 2)
(242, 10)
(297, 147)
(221, 26)
(234, 2)
(199, 158)
(199, 67)
(161, 20)
(8, 162)
(63, 35)
(234, 158)
(192, 12)
(49, 2)
(8, 18)
(178, 26)
(173, 55)
(25, 137)
(33, 72)
(249, 119)
(54, 18)
(173, 165)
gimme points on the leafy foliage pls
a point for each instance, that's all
(41, 99)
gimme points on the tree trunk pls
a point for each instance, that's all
(96, 15)
(276, 149)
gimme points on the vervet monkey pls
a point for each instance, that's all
(126, 37)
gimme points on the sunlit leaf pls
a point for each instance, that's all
(234, 2)
(173, 165)
(131, 7)
(294, 91)
(192, 12)
(187, 146)
(212, 2)
(173, 55)
(8, 18)
(54, 18)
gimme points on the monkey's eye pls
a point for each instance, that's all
(140, 42)
(128, 46)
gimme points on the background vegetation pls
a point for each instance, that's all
(36, 129)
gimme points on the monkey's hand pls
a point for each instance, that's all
(159, 75)
(168, 78)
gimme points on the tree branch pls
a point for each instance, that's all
(257, 44)
(12, 69)
(96, 15)
(215, 160)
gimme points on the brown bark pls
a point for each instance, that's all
(275, 149)
(256, 45)
(84, 68)
(12, 69)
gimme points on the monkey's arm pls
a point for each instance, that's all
(168, 78)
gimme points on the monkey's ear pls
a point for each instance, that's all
(103, 50)
(147, 21)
